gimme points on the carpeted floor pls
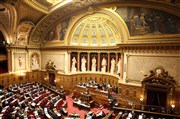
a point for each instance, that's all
(71, 109)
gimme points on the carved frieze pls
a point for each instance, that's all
(159, 76)
(23, 31)
(150, 47)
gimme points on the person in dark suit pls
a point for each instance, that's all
(87, 91)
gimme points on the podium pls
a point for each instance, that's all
(86, 98)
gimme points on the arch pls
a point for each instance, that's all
(114, 20)
(3, 54)
(5, 34)
(8, 31)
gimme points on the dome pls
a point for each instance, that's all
(96, 30)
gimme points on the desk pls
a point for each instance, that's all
(81, 105)
(74, 115)
(109, 115)
(85, 97)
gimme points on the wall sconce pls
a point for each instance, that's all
(173, 106)
(130, 103)
(141, 99)
(45, 78)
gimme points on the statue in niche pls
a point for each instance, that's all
(35, 63)
(113, 62)
(119, 67)
(83, 64)
(93, 67)
(103, 64)
(73, 68)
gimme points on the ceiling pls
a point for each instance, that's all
(44, 13)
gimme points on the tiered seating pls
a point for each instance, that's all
(26, 100)
(5, 112)
(43, 102)
(60, 103)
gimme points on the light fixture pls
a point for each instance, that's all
(45, 78)
(172, 105)
(141, 99)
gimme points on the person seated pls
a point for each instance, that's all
(52, 114)
(1, 108)
(87, 91)
(40, 110)
(130, 115)
(90, 115)
(124, 115)
(63, 111)
(100, 114)
(5, 103)
(141, 116)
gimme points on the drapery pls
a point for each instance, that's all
(156, 98)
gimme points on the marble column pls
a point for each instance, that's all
(88, 61)
(9, 61)
(68, 65)
(108, 63)
(78, 61)
(122, 65)
(116, 70)
(99, 62)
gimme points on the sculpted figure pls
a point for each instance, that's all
(83, 64)
(103, 64)
(113, 62)
(73, 68)
(93, 67)
(34, 64)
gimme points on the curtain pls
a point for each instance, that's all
(162, 99)
(156, 98)
(150, 97)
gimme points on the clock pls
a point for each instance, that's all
(159, 71)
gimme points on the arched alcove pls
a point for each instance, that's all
(3, 54)
(102, 28)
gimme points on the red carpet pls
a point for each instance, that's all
(82, 113)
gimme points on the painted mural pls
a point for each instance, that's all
(59, 31)
(146, 21)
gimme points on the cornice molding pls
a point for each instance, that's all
(23, 47)
(36, 5)
(82, 49)
(150, 47)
